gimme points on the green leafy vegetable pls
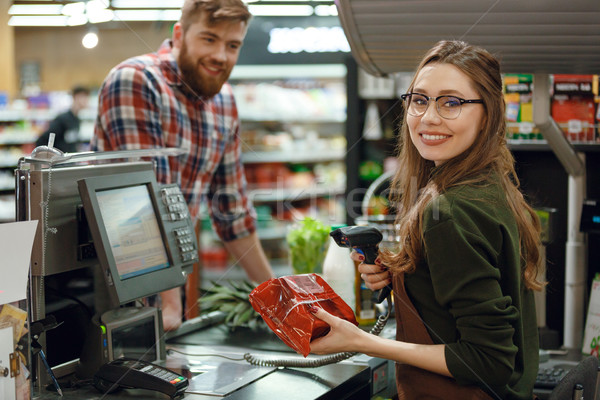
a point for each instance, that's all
(307, 245)
(233, 300)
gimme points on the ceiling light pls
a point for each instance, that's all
(326, 11)
(147, 15)
(94, 6)
(100, 16)
(291, 1)
(34, 9)
(146, 4)
(76, 20)
(90, 40)
(281, 10)
(37, 20)
(74, 8)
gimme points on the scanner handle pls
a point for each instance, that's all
(384, 293)
(371, 253)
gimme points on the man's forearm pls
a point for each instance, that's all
(249, 253)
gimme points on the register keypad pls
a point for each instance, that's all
(178, 211)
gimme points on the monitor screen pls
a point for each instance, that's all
(135, 341)
(143, 235)
(133, 231)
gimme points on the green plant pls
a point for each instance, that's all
(233, 300)
(307, 243)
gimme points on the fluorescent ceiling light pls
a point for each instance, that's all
(100, 16)
(146, 3)
(35, 9)
(281, 10)
(76, 20)
(36, 20)
(74, 8)
(326, 11)
(93, 6)
(147, 15)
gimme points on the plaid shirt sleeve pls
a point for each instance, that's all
(129, 117)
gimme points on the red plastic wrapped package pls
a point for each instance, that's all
(283, 304)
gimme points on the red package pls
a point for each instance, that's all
(283, 304)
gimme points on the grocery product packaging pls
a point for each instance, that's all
(573, 107)
(591, 338)
(518, 94)
(284, 305)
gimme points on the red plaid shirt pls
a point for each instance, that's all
(141, 105)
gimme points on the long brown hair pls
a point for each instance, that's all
(418, 181)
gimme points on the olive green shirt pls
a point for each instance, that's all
(471, 295)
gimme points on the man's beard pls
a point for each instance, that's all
(193, 80)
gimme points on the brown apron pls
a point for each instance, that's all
(415, 383)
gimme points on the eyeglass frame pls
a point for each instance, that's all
(462, 101)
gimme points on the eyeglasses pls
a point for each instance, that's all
(448, 107)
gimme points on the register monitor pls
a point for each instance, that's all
(143, 235)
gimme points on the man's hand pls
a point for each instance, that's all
(171, 309)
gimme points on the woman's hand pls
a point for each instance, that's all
(376, 276)
(343, 336)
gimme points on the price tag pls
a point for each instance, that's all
(575, 126)
(526, 127)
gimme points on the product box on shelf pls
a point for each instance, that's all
(573, 106)
(519, 108)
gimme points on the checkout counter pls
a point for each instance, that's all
(91, 216)
(210, 355)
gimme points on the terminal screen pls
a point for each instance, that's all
(135, 340)
(132, 229)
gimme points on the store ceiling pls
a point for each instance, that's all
(529, 36)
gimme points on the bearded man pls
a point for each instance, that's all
(179, 97)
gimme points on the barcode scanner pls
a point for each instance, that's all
(365, 240)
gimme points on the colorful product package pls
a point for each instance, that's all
(284, 305)
(573, 106)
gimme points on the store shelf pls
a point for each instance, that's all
(11, 115)
(9, 162)
(26, 115)
(288, 71)
(268, 117)
(272, 233)
(303, 155)
(293, 136)
(542, 145)
(17, 138)
(293, 194)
